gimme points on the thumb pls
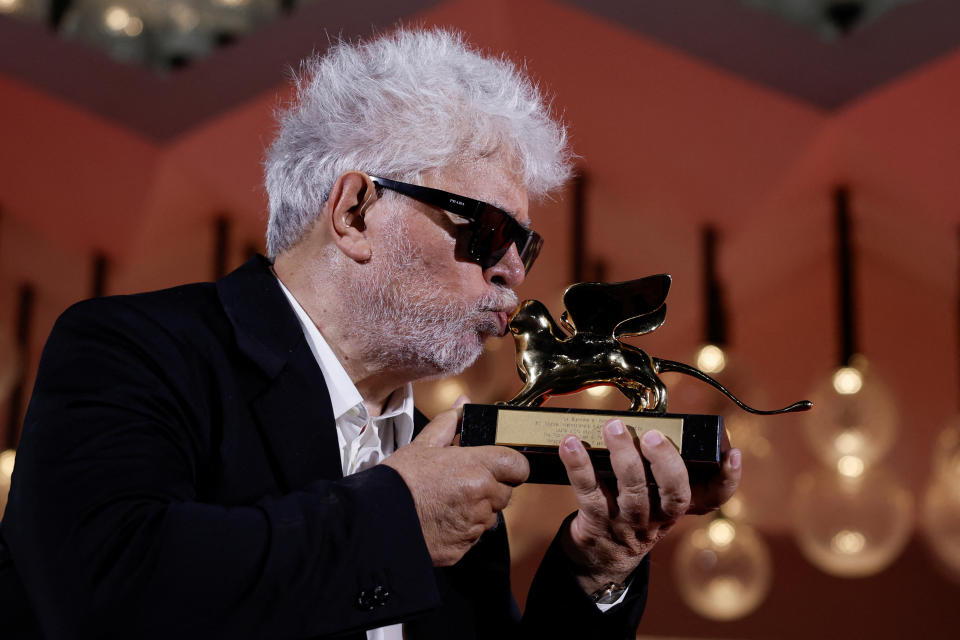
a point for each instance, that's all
(440, 431)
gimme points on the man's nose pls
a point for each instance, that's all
(509, 271)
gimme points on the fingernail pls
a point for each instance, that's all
(615, 428)
(735, 458)
(460, 401)
(571, 443)
(652, 438)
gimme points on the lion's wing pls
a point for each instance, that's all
(618, 308)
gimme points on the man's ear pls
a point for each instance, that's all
(351, 195)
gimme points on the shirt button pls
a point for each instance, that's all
(380, 596)
(365, 601)
(376, 597)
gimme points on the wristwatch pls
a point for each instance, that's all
(608, 593)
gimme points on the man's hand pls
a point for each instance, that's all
(615, 528)
(458, 491)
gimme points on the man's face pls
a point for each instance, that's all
(425, 309)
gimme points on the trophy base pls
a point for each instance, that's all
(537, 432)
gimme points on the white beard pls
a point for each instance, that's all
(404, 321)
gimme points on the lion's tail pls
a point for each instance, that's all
(661, 366)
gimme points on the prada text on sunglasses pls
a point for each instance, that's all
(492, 230)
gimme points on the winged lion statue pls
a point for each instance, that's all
(590, 353)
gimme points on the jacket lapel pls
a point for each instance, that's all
(289, 400)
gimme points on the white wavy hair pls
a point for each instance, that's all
(398, 106)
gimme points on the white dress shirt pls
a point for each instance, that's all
(364, 440)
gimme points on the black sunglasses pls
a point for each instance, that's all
(492, 230)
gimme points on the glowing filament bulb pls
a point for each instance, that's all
(711, 359)
(848, 442)
(848, 542)
(847, 381)
(850, 466)
(116, 18)
(721, 532)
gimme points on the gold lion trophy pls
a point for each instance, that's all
(590, 353)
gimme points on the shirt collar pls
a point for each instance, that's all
(344, 395)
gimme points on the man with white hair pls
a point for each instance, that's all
(243, 459)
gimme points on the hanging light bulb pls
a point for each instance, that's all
(690, 395)
(851, 521)
(710, 356)
(722, 569)
(713, 356)
(711, 359)
(855, 415)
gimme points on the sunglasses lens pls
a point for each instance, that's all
(531, 251)
(495, 231)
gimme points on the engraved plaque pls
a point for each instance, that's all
(548, 428)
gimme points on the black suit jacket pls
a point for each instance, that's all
(179, 476)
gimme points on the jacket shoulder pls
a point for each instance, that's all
(185, 314)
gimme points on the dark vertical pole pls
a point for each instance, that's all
(845, 276)
(599, 270)
(578, 248)
(958, 316)
(221, 246)
(25, 305)
(58, 8)
(98, 280)
(715, 318)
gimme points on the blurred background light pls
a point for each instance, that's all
(711, 359)
(859, 420)
(722, 569)
(852, 526)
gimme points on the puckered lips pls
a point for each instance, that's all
(502, 316)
